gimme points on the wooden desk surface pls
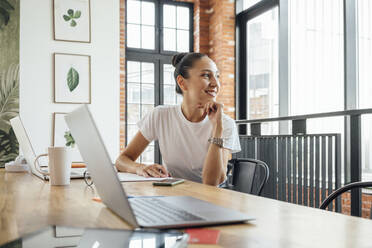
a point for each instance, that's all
(28, 203)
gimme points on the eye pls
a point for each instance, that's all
(218, 76)
(205, 75)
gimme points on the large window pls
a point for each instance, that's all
(311, 39)
(156, 30)
(262, 68)
(365, 81)
(317, 61)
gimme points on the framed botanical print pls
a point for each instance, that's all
(72, 78)
(62, 136)
(72, 20)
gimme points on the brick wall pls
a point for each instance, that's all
(122, 74)
(214, 34)
(366, 204)
(222, 49)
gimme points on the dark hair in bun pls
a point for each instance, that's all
(182, 63)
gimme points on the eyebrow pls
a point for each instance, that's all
(217, 72)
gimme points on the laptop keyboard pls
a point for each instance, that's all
(152, 210)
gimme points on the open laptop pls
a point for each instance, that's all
(29, 153)
(149, 212)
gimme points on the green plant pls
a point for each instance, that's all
(69, 139)
(5, 8)
(72, 16)
(9, 147)
(9, 96)
(9, 105)
(72, 79)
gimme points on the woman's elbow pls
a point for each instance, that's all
(214, 181)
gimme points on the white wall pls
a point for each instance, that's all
(36, 70)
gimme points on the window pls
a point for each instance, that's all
(317, 61)
(141, 24)
(262, 68)
(249, 3)
(365, 78)
(257, 96)
(156, 30)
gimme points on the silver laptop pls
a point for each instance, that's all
(149, 212)
(29, 153)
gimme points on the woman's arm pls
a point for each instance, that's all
(215, 163)
(126, 160)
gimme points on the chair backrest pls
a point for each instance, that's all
(347, 187)
(248, 175)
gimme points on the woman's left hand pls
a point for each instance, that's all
(214, 111)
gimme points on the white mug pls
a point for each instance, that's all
(59, 165)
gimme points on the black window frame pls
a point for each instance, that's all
(241, 100)
(157, 56)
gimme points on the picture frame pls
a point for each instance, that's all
(58, 139)
(72, 20)
(72, 78)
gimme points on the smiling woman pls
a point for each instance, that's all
(196, 137)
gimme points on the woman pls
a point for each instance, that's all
(196, 137)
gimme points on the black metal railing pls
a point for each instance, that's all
(304, 169)
(305, 174)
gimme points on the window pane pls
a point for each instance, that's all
(134, 37)
(365, 79)
(148, 73)
(169, 16)
(365, 52)
(133, 115)
(317, 61)
(169, 95)
(183, 18)
(133, 11)
(132, 130)
(249, 3)
(133, 72)
(134, 93)
(317, 74)
(146, 108)
(168, 74)
(262, 68)
(148, 158)
(148, 93)
(183, 41)
(148, 37)
(148, 13)
(169, 39)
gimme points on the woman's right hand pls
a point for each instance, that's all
(152, 170)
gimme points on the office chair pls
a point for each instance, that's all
(246, 175)
(347, 187)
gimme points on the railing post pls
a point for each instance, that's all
(355, 163)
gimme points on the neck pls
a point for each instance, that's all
(191, 111)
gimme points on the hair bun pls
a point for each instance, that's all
(177, 58)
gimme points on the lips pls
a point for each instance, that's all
(212, 93)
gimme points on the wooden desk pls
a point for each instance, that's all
(27, 204)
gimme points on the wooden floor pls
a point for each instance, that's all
(28, 203)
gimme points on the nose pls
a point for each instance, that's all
(214, 81)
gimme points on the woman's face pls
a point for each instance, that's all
(203, 83)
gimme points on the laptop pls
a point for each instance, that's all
(140, 212)
(29, 153)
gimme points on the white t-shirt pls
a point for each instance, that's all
(184, 144)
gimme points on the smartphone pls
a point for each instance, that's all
(168, 182)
